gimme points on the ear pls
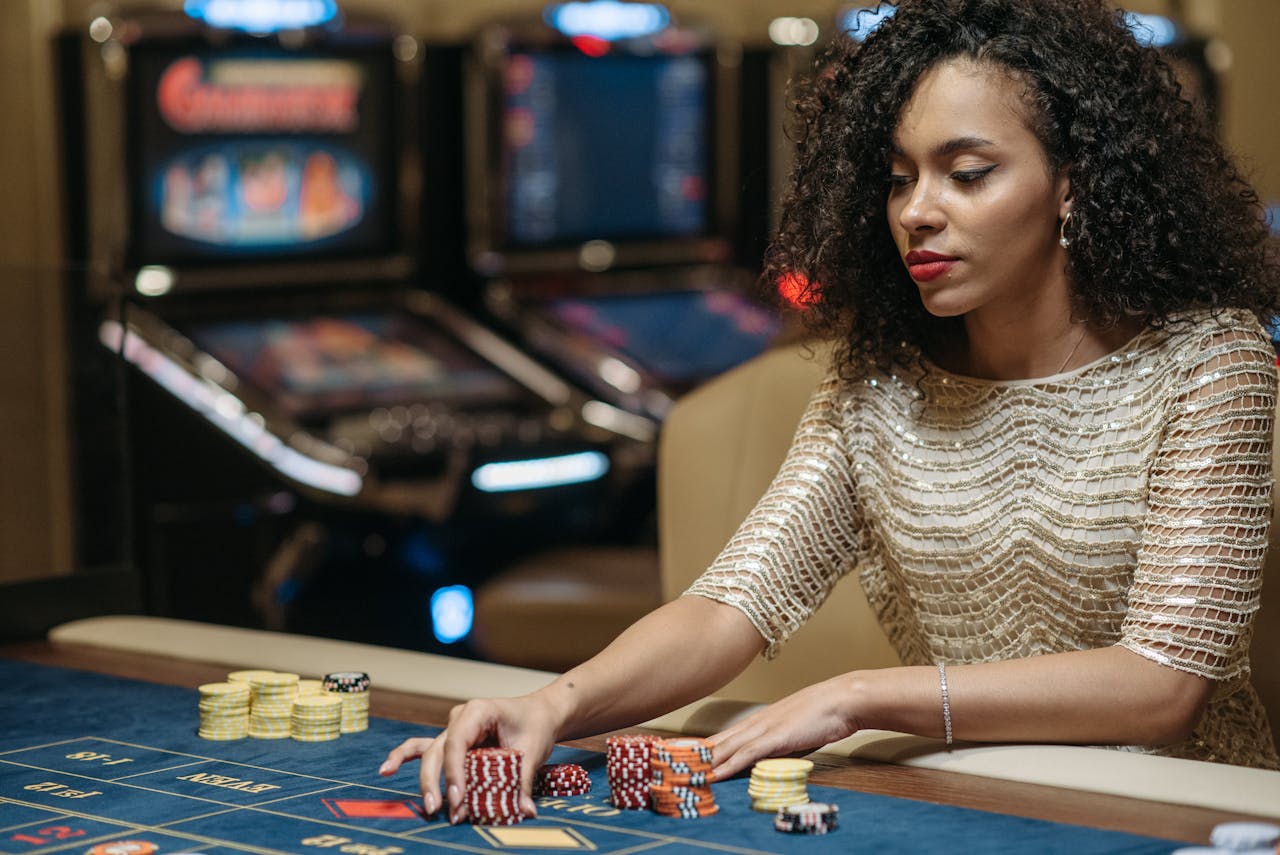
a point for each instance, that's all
(1062, 191)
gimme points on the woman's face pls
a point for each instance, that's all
(973, 204)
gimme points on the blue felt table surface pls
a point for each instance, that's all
(117, 759)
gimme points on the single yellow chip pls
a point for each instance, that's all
(783, 766)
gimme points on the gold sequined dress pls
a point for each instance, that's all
(1126, 502)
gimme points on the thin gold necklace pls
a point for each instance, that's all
(1063, 366)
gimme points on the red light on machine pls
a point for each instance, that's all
(693, 188)
(797, 290)
(591, 45)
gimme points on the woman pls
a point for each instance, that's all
(1044, 448)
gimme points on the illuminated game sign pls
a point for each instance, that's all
(260, 153)
(257, 96)
(262, 16)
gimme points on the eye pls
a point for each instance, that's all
(898, 180)
(969, 176)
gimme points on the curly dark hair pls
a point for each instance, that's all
(1162, 221)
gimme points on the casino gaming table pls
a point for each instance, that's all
(99, 754)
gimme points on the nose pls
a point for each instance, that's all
(921, 210)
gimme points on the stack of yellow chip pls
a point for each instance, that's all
(779, 783)
(353, 688)
(224, 711)
(271, 712)
(310, 687)
(317, 718)
(247, 677)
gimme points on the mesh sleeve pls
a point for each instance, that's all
(800, 538)
(1198, 580)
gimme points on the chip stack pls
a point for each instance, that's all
(310, 687)
(779, 783)
(247, 677)
(811, 818)
(316, 718)
(681, 784)
(271, 705)
(353, 686)
(561, 779)
(493, 786)
(629, 767)
(224, 711)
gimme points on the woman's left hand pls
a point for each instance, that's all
(797, 724)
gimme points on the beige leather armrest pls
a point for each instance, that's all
(1189, 782)
(388, 668)
(1100, 770)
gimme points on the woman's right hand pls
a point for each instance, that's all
(526, 724)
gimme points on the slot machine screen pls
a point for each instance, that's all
(257, 153)
(682, 337)
(314, 365)
(612, 147)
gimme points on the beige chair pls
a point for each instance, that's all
(720, 448)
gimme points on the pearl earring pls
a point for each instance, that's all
(1063, 240)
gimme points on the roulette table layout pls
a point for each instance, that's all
(99, 754)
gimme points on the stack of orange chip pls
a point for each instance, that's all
(681, 783)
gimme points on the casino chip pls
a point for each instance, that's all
(680, 783)
(1245, 836)
(561, 779)
(272, 694)
(124, 847)
(629, 771)
(493, 786)
(778, 783)
(310, 687)
(224, 711)
(317, 718)
(810, 818)
(353, 687)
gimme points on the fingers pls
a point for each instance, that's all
(406, 750)
(516, 726)
(737, 748)
(469, 725)
(429, 776)
(427, 750)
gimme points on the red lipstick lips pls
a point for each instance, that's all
(925, 266)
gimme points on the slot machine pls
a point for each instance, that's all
(604, 197)
(246, 192)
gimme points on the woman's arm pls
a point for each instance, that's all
(1191, 603)
(1107, 696)
(676, 654)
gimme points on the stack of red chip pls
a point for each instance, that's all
(681, 784)
(561, 779)
(493, 786)
(628, 765)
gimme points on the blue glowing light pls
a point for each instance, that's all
(859, 21)
(452, 611)
(607, 19)
(539, 473)
(1151, 30)
(262, 16)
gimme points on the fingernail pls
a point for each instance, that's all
(384, 768)
(454, 808)
(429, 805)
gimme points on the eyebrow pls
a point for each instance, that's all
(951, 146)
